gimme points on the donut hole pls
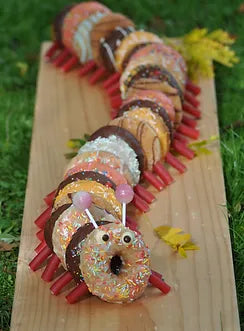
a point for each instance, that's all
(116, 264)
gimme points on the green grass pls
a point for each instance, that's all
(24, 25)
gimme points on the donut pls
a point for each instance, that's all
(102, 30)
(121, 270)
(119, 148)
(101, 157)
(146, 135)
(75, 16)
(131, 42)
(58, 23)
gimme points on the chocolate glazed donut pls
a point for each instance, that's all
(72, 255)
(125, 135)
(58, 23)
(153, 106)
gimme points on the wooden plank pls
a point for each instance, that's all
(203, 293)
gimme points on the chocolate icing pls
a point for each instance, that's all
(132, 52)
(85, 175)
(153, 106)
(124, 134)
(49, 226)
(72, 254)
(58, 23)
(155, 72)
(112, 41)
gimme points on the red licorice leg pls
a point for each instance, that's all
(159, 283)
(77, 293)
(189, 121)
(183, 149)
(116, 102)
(51, 268)
(180, 137)
(88, 66)
(40, 235)
(61, 282)
(195, 89)
(61, 57)
(157, 274)
(40, 258)
(113, 89)
(70, 64)
(149, 176)
(40, 247)
(50, 52)
(131, 221)
(175, 163)
(163, 173)
(191, 99)
(187, 131)
(114, 113)
(144, 194)
(111, 80)
(97, 75)
(191, 110)
(140, 204)
(49, 198)
(42, 219)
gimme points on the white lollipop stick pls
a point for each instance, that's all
(124, 194)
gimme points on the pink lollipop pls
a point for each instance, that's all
(82, 200)
(124, 194)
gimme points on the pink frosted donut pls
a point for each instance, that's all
(115, 263)
(75, 16)
(155, 96)
(103, 169)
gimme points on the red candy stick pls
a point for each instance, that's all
(159, 283)
(111, 80)
(97, 75)
(61, 57)
(131, 221)
(183, 149)
(187, 131)
(140, 204)
(193, 88)
(144, 194)
(42, 219)
(49, 198)
(157, 274)
(116, 102)
(191, 110)
(191, 99)
(77, 293)
(114, 113)
(40, 235)
(60, 283)
(50, 52)
(163, 173)
(40, 258)
(175, 163)
(179, 137)
(51, 268)
(70, 64)
(40, 247)
(149, 176)
(113, 89)
(189, 121)
(88, 66)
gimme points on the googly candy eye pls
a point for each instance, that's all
(128, 237)
(102, 237)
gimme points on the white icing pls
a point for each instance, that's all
(119, 148)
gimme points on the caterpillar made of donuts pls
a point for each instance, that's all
(85, 226)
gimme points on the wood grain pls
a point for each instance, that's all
(203, 293)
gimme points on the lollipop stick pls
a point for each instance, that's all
(124, 213)
(91, 218)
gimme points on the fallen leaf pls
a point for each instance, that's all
(23, 67)
(4, 246)
(179, 241)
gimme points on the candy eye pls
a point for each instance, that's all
(102, 237)
(127, 238)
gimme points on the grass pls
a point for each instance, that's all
(24, 25)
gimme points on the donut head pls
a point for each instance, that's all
(115, 263)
